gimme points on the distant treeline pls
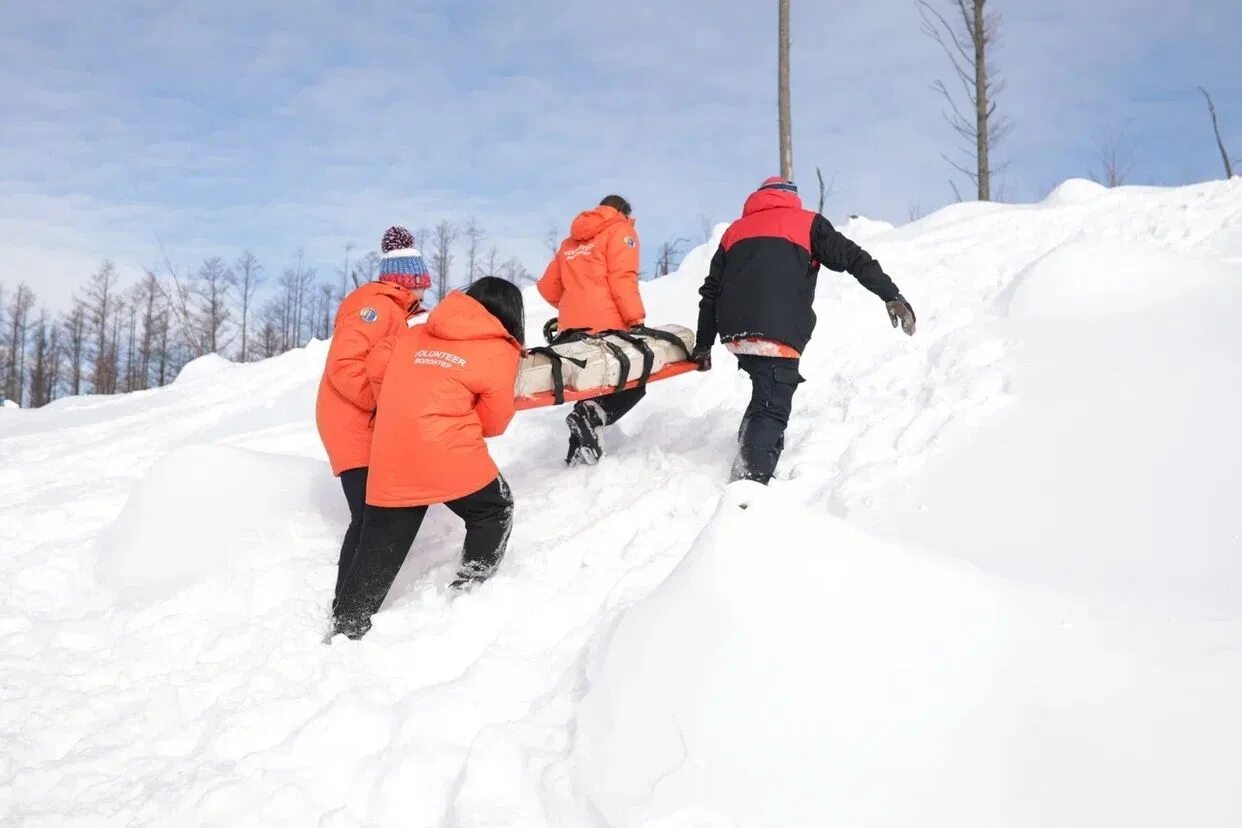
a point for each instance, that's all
(114, 339)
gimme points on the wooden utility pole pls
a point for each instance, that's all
(783, 94)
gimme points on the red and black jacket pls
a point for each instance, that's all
(762, 278)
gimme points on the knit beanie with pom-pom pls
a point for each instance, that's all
(401, 263)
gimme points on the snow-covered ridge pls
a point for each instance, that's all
(966, 584)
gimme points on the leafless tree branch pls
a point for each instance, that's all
(1220, 144)
(965, 43)
(824, 190)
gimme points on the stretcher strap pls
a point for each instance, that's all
(571, 335)
(643, 348)
(621, 357)
(663, 336)
(583, 334)
(558, 370)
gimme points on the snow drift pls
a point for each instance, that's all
(997, 573)
(209, 512)
(793, 656)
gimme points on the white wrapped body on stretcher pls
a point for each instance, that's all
(579, 366)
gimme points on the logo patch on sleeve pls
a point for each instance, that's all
(369, 314)
(629, 241)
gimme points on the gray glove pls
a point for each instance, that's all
(899, 311)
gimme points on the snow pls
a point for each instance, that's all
(133, 554)
(862, 229)
(998, 573)
(1075, 191)
(202, 367)
(1094, 278)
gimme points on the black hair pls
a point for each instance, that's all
(618, 203)
(503, 300)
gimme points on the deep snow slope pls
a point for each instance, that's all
(166, 560)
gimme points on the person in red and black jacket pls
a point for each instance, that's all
(758, 298)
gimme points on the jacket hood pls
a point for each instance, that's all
(459, 317)
(591, 223)
(768, 199)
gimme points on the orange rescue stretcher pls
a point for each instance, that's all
(580, 365)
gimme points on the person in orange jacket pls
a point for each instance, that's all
(592, 281)
(442, 388)
(346, 403)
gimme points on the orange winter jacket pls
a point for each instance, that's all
(346, 403)
(593, 279)
(442, 387)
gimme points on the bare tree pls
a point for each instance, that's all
(474, 237)
(345, 273)
(75, 334)
(213, 295)
(100, 300)
(148, 299)
(307, 292)
(296, 315)
(279, 310)
(1220, 144)
(366, 269)
(269, 333)
(3, 367)
(294, 306)
(422, 236)
(552, 240)
(129, 380)
(326, 305)
(1113, 159)
(442, 257)
(491, 263)
(16, 336)
(668, 256)
(45, 363)
(825, 190)
(249, 276)
(113, 362)
(300, 285)
(178, 298)
(967, 49)
(705, 226)
(164, 362)
(516, 272)
(782, 91)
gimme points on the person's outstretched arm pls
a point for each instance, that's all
(835, 252)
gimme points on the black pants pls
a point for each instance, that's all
(615, 406)
(388, 533)
(354, 482)
(761, 438)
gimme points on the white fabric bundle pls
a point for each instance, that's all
(601, 368)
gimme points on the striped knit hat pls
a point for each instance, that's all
(778, 183)
(401, 263)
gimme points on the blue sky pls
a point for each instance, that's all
(277, 125)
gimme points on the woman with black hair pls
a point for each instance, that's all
(441, 389)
